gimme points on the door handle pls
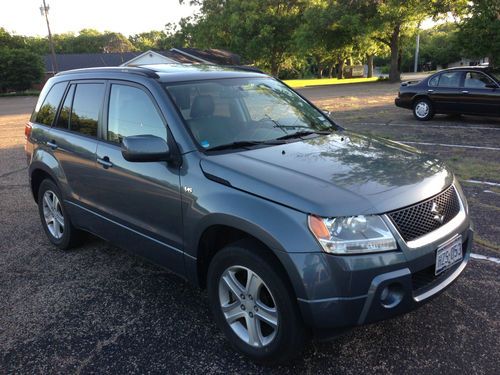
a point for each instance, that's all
(105, 162)
(52, 144)
(430, 91)
(465, 92)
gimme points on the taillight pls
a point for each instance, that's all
(27, 130)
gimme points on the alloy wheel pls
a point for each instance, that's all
(248, 306)
(53, 215)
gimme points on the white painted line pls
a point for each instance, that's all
(483, 183)
(428, 126)
(455, 146)
(490, 192)
(484, 257)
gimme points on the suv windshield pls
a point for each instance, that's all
(245, 111)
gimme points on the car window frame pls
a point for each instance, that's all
(99, 117)
(106, 103)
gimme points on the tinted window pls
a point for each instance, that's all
(476, 80)
(433, 82)
(46, 113)
(450, 79)
(65, 113)
(131, 112)
(86, 108)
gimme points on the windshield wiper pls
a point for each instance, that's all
(303, 133)
(243, 144)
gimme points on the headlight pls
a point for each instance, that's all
(353, 234)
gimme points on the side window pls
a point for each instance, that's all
(476, 80)
(131, 112)
(65, 113)
(46, 113)
(86, 107)
(450, 79)
(433, 82)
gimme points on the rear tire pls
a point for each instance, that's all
(263, 322)
(423, 109)
(55, 219)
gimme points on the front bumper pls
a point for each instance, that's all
(380, 287)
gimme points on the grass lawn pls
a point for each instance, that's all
(297, 83)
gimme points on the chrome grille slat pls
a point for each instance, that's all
(418, 220)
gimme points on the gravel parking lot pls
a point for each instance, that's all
(98, 309)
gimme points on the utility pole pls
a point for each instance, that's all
(44, 10)
(417, 50)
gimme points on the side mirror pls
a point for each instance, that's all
(143, 148)
(491, 86)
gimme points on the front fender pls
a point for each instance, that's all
(282, 229)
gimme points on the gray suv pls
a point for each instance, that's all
(295, 226)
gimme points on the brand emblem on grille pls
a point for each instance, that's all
(437, 212)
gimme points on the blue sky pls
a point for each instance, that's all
(125, 16)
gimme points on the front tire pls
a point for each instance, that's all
(55, 219)
(423, 109)
(254, 305)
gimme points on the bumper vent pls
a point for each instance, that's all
(424, 217)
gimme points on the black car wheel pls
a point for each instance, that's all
(55, 219)
(253, 304)
(423, 109)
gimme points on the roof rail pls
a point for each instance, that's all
(245, 68)
(117, 69)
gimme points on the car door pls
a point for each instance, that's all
(141, 199)
(73, 139)
(445, 91)
(479, 97)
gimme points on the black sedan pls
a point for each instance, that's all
(465, 90)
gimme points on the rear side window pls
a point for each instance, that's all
(132, 112)
(65, 113)
(46, 113)
(86, 108)
(433, 82)
(450, 79)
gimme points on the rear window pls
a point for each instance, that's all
(86, 108)
(46, 112)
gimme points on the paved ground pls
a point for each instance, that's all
(97, 309)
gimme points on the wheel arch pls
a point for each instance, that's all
(221, 233)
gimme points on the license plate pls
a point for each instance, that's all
(448, 254)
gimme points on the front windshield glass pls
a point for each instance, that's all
(225, 111)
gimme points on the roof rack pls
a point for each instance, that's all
(117, 69)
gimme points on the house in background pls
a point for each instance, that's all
(173, 56)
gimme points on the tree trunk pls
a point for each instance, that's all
(394, 73)
(340, 72)
(369, 62)
(330, 70)
(491, 61)
(320, 71)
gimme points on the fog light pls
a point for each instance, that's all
(391, 295)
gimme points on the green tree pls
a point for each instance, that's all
(391, 20)
(19, 69)
(260, 30)
(480, 30)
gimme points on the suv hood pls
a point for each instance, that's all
(340, 174)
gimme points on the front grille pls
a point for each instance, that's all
(417, 220)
